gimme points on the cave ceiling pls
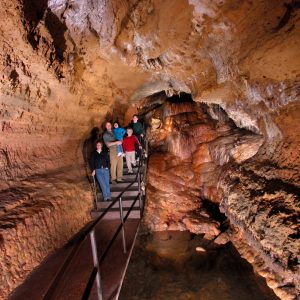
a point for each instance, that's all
(191, 46)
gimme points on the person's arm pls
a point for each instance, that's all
(92, 164)
(108, 143)
(123, 132)
(107, 158)
(137, 142)
(124, 145)
(140, 128)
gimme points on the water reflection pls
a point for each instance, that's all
(166, 265)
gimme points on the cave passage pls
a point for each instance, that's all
(217, 84)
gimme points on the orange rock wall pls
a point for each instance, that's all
(200, 158)
(65, 66)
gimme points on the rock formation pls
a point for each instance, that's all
(67, 65)
(201, 161)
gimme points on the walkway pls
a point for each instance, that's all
(74, 280)
(72, 287)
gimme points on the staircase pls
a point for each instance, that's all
(131, 185)
(102, 246)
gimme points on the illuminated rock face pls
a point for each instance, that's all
(191, 150)
(65, 65)
(201, 161)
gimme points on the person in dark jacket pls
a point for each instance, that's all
(100, 168)
(137, 128)
(138, 132)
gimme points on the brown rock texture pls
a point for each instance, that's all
(35, 222)
(216, 163)
(65, 66)
(190, 149)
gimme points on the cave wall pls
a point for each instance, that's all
(66, 64)
(46, 114)
(202, 165)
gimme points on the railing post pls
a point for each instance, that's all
(140, 196)
(95, 193)
(122, 221)
(96, 264)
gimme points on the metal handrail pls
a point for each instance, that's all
(95, 271)
(69, 259)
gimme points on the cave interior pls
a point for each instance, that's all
(217, 85)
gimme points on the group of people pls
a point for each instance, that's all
(120, 143)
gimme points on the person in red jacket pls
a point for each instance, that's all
(129, 143)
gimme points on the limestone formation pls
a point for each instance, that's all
(66, 66)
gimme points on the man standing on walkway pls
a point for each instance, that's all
(138, 132)
(116, 162)
(137, 128)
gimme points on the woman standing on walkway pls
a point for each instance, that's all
(100, 167)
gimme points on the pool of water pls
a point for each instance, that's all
(166, 265)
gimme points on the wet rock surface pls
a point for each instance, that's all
(190, 150)
(67, 65)
(169, 265)
(203, 162)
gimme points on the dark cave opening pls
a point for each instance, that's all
(181, 97)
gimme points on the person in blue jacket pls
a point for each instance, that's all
(119, 133)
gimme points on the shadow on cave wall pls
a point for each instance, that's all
(57, 30)
(37, 10)
(34, 11)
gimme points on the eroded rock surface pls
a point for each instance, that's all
(66, 64)
(201, 160)
(191, 149)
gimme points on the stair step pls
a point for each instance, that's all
(125, 209)
(112, 215)
(125, 203)
(124, 198)
(127, 193)
(115, 194)
(123, 184)
(120, 188)
(129, 175)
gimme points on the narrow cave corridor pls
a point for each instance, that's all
(213, 198)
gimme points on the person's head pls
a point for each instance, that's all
(108, 126)
(135, 118)
(116, 125)
(129, 131)
(99, 145)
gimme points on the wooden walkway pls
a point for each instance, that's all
(72, 281)
(75, 279)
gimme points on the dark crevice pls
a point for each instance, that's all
(290, 7)
(34, 11)
(56, 29)
(14, 78)
(214, 210)
(180, 98)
